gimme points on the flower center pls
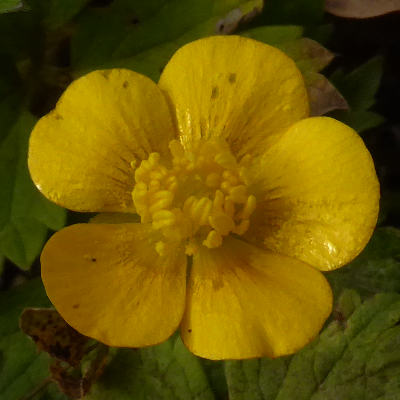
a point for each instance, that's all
(199, 197)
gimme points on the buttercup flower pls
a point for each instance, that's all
(222, 163)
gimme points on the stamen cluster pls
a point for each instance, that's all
(200, 197)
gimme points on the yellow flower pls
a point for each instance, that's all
(221, 163)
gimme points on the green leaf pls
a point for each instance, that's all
(143, 35)
(352, 359)
(360, 120)
(7, 6)
(275, 35)
(166, 371)
(25, 215)
(359, 88)
(376, 269)
(56, 13)
(22, 368)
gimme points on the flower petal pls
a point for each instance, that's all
(244, 302)
(318, 194)
(80, 154)
(108, 283)
(236, 88)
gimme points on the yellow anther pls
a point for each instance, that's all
(218, 201)
(154, 185)
(242, 227)
(157, 174)
(225, 186)
(160, 205)
(249, 207)
(229, 206)
(201, 209)
(141, 174)
(213, 240)
(222, 223)
(225, 160)
(202, 194)
(163, 215)
(238, 194)
(188, 204)
(163, 194)
(133, 163)
(163, 218)
(213, 180)
(230, 177)
(140, 187)
(154, 158)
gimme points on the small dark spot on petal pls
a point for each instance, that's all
(94, 259)
(125, 84)
(232, 78)
(76, 306)
(189, 330)
(214, 92)
(58, 116)
(106, 73)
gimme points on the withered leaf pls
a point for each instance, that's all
(76, 382)
(308, 54)
(311, 57)
(323, 96)
(361, 8)
(53, 335)
(236, 17)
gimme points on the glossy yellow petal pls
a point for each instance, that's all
(80, 154)
(108, 282)
(244, 302)
(236, 88)
(317, 194)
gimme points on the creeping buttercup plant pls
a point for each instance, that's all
(224, 204)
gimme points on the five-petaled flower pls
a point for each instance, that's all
(225, 168)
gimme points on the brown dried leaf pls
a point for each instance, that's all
(361, 8)
(308, 54)
(323, 96)
(53, 335)
(235, 18)
(76, 382)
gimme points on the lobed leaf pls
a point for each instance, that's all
(352, 359)
(22, 368)
(376, 269)
(166, 371)
(359, 87)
